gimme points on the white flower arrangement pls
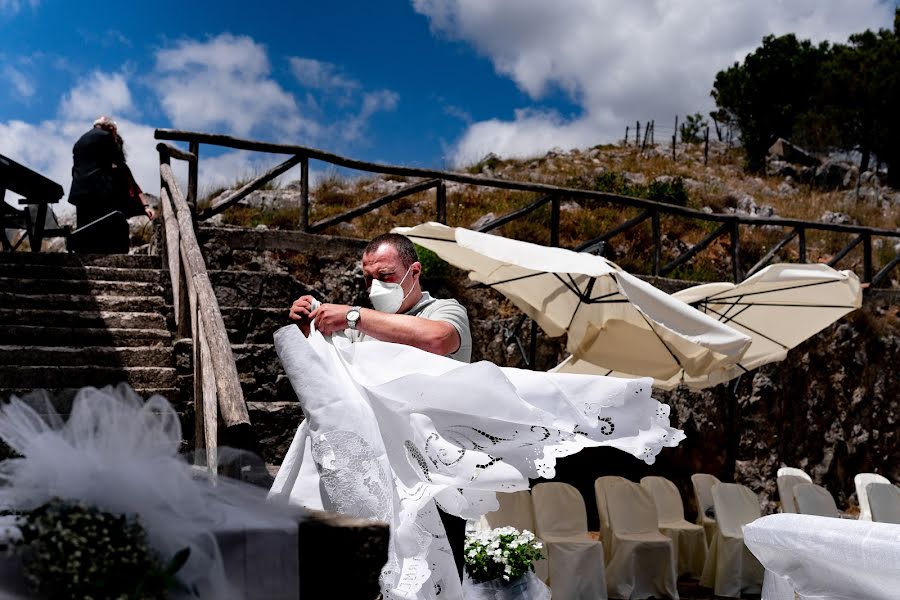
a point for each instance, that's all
(504, 552)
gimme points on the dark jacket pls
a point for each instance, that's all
(100, 176)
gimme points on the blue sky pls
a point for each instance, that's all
(421, 82)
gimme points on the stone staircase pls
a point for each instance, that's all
(68, 321)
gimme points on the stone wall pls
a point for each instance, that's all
(832, 408)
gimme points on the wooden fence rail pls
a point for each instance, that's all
(728, 223)
(217, 389)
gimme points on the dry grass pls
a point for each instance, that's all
(720, 186)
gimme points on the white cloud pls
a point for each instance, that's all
(353, 126)
(20, 82)
(100, 93)
(12, 7)
(621, 60)
(225, 83)
(319, 75)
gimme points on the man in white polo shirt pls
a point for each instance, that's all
(402, 313)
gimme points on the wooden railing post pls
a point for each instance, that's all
(304, 194)
(801, 239)
(868, 271)
(440, 195)
(193, 170)
(736, 251)
(554, 222)
(657, 241)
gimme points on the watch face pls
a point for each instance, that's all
(352, 315)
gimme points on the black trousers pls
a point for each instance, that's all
(456, 536)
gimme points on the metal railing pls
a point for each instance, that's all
(726, 224)
(217, 389)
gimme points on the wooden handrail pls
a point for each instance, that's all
(524, 186)
(210, 339)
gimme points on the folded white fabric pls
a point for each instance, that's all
(394, 430)
(820, 557)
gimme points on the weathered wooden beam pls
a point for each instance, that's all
(845, 251)
(208, 399)
(440, 193)
(657, 242)
(867, 257)
(588, 245)
(232, 407)
(369, 206)
(696, 248)
(238, 195)
(193, 174)
(736, 251)
(176, 152)
(554, 222)
(771, 253)
(304, 194)
(885, 271)
(170, 226)
(512, 216)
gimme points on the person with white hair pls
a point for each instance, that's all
(101, 180)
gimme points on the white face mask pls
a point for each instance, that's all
(388, 297)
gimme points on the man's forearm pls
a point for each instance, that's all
(438, 337)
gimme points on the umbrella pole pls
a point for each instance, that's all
(732, 432)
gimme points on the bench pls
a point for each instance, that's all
(38, 192)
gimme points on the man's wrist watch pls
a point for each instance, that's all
(353, 317)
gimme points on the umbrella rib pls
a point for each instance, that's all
(588, 289)
(782, 289)
(661, 341)
(750, 329)
(785, 305)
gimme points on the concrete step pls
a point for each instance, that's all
(19, 335)
(62, 397)
(105, 356)
(89, 272)
(82, 302)
(65, 259)
(275, 424)
(247, 325)
(83, 318)
(80, 376)
(81, 287)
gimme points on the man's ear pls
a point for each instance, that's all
(416, 269)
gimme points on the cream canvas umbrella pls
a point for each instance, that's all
(779, 307)
(611, 317)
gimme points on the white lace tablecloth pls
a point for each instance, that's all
(826, 558)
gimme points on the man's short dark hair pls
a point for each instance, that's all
(402, 244)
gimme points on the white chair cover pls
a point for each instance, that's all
(884, 498)
(643, 560)
(788, 477)
(861, 481)
(812, 499)
(821, 558)
(600, 486)
(703, 483)
(516, 510)
(731, 568)
(576, 560)
(688, 539)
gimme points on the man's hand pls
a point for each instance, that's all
(330, 318)
(301, 311)
(149, 212)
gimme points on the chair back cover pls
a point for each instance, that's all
(786, 485)
(736, 505)
(631, 508)
(861, 481)
(884, 498)
(601, 484)
(558, 510)
(666, 497)
(703, 483)
(782, 471)
(515, 510)
(813, 499)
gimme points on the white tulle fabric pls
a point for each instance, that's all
(394, 431)
(121, 455)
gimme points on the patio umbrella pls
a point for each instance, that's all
(611, 317)
(778, 307)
